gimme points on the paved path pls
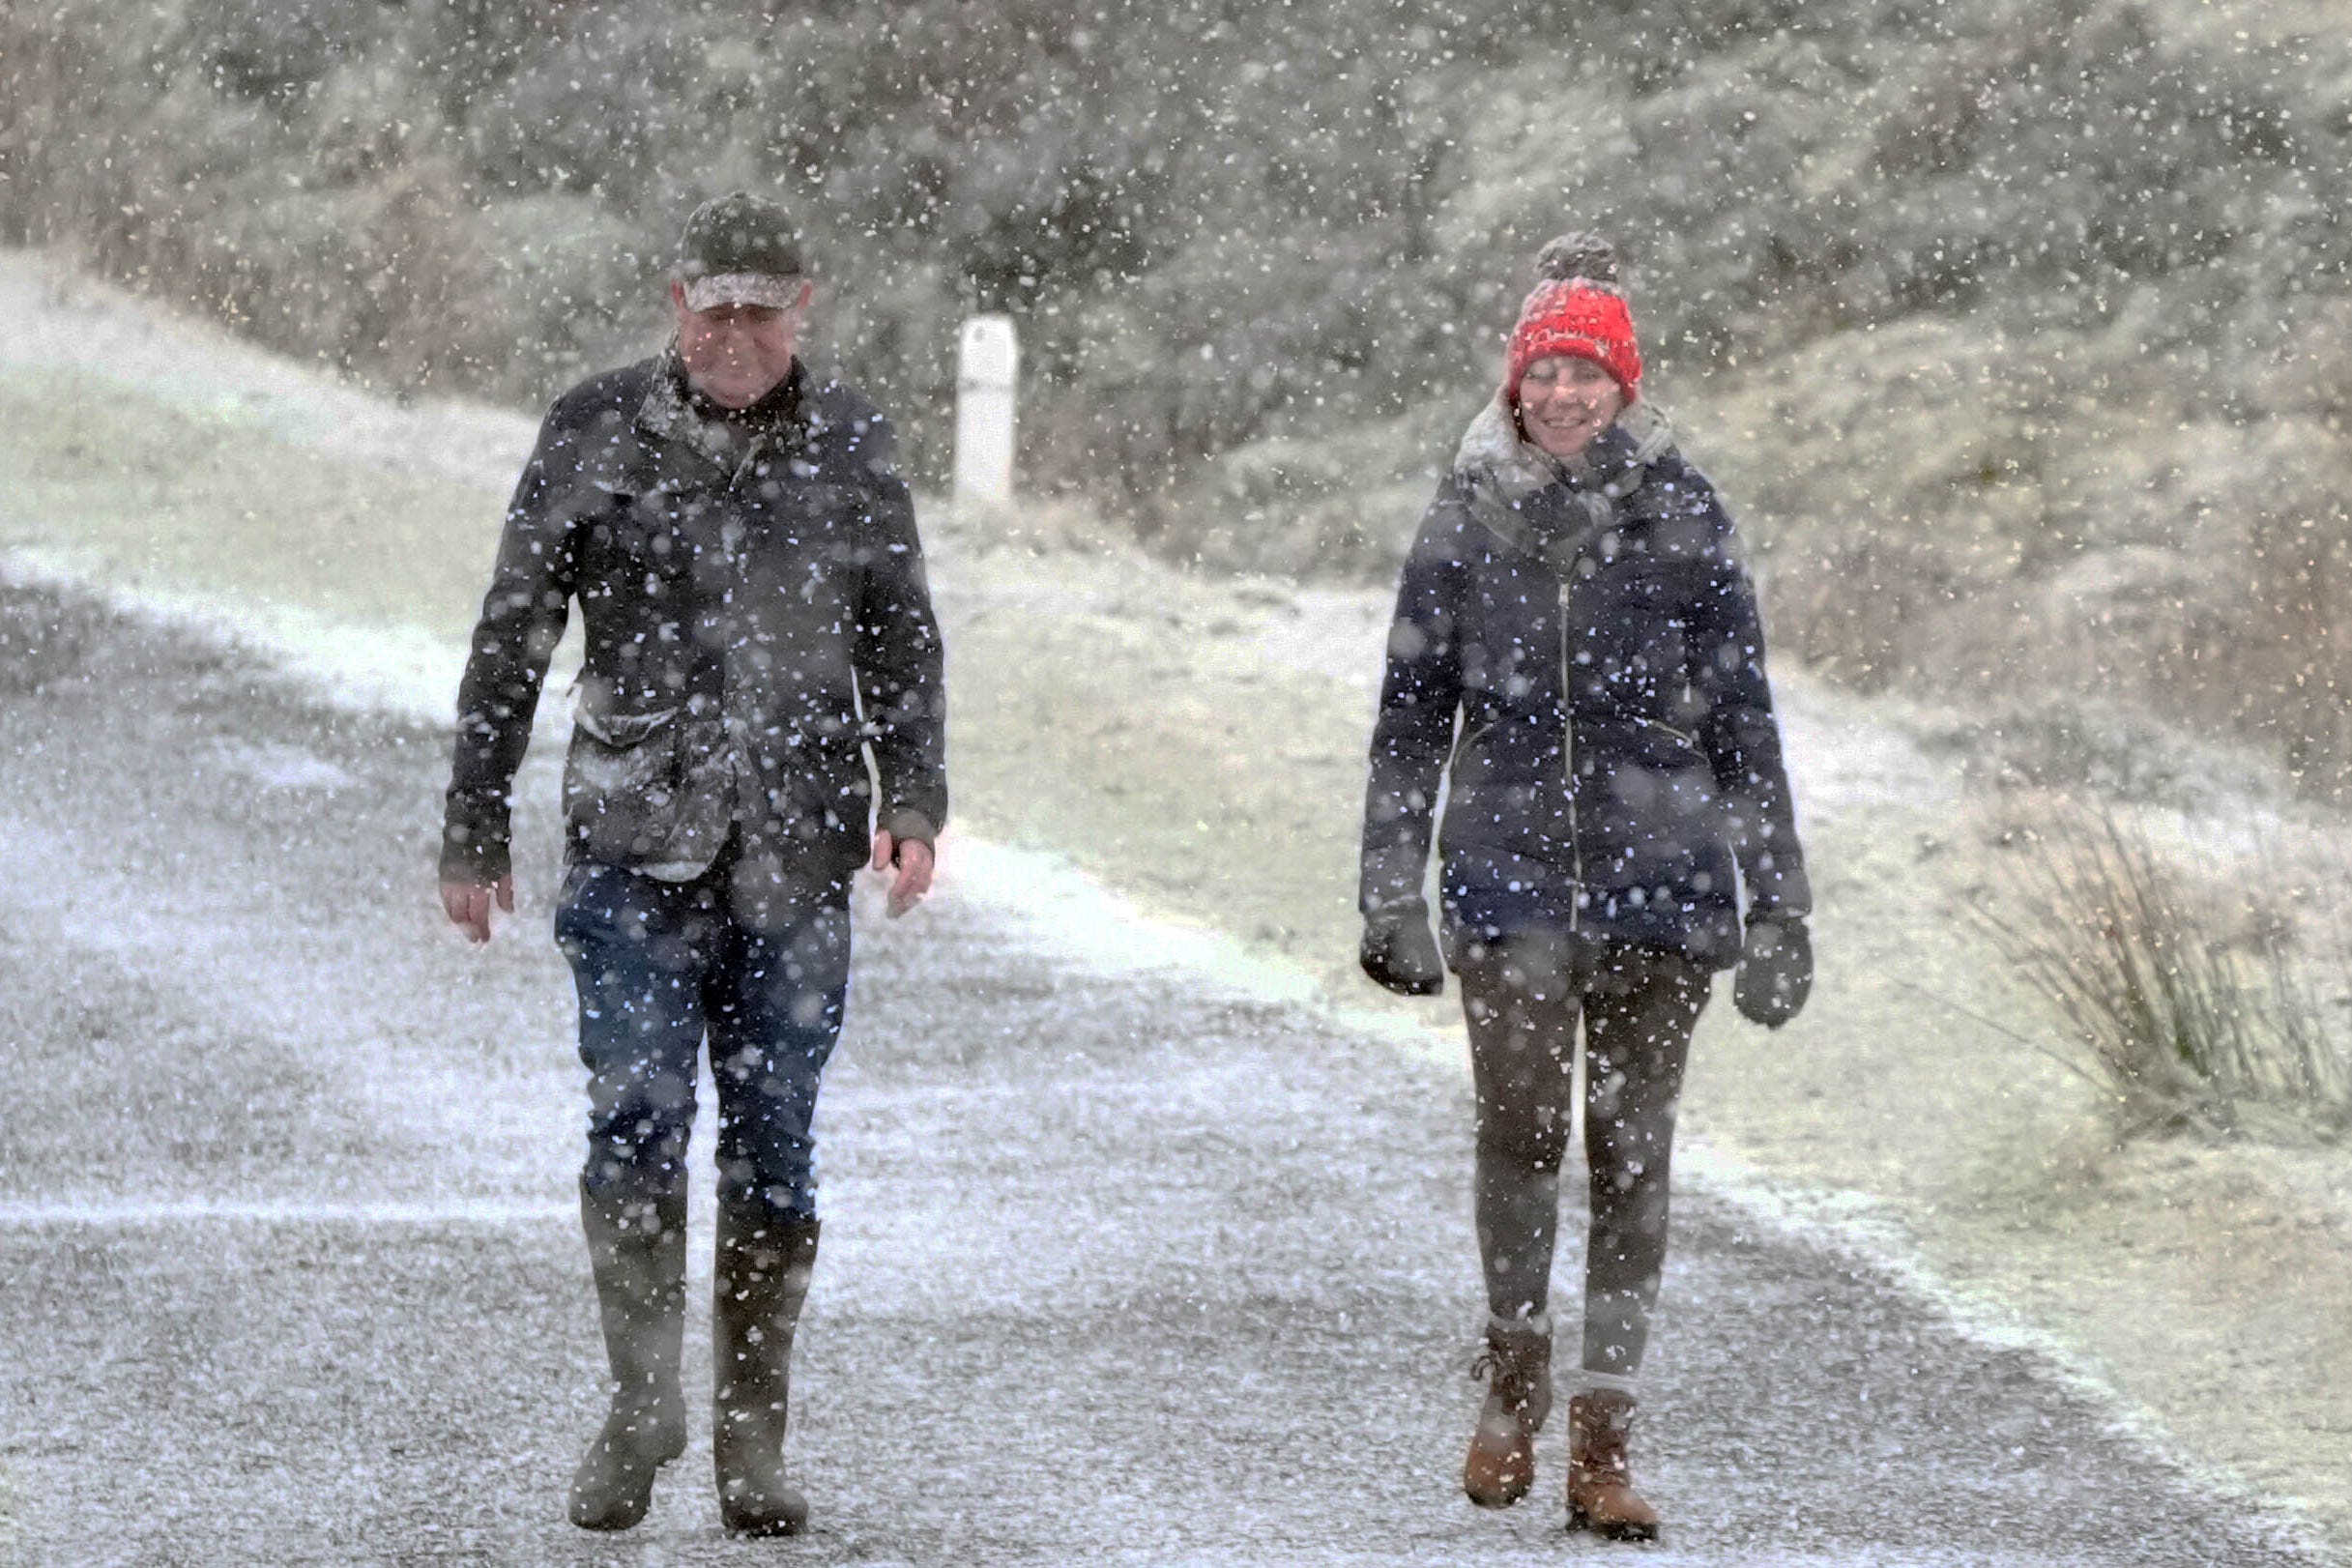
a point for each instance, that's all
(1119, 1266)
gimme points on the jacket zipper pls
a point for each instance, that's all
(1575, 845)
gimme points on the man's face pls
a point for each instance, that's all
(736, 353)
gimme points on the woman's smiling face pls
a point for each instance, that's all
(1565, 400)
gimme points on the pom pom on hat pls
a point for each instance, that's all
(1570, 256)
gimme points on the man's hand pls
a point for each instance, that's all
(468, 905)
(1775, 971)
(913, 859)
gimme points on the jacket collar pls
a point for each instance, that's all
(668, 413)
(1501, 472)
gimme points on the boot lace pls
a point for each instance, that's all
(1502, 1372)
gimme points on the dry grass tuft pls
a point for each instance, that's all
(2190, 1000)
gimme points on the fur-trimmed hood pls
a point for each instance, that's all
(1500, 470)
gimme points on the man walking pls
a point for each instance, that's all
(758, 628)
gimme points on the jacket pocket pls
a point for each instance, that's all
(1666, 742)
(623, 731)
(622, 783)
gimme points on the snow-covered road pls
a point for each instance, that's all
(1125, 1261)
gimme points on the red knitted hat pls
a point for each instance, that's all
(1577, 311)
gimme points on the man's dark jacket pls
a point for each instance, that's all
(1581, 662)
(757, 625)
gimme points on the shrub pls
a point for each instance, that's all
(2190, 1002)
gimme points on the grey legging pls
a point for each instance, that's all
(1522, 999)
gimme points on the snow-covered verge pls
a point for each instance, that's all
(1196, 745)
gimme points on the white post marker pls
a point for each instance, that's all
(987, 367)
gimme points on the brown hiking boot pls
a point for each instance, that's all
(761, 1283)
(1601, 1494)
(1517, 1364)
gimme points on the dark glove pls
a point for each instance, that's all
(1775, 970)
(1401, 953)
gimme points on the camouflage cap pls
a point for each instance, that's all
(739, 249)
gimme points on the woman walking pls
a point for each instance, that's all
(1576, 654)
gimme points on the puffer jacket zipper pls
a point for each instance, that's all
(1575, 838)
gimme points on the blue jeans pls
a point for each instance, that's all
(659, 967)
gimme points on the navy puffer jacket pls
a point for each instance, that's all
(1576, 655)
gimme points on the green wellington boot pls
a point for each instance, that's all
(760, 1282)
